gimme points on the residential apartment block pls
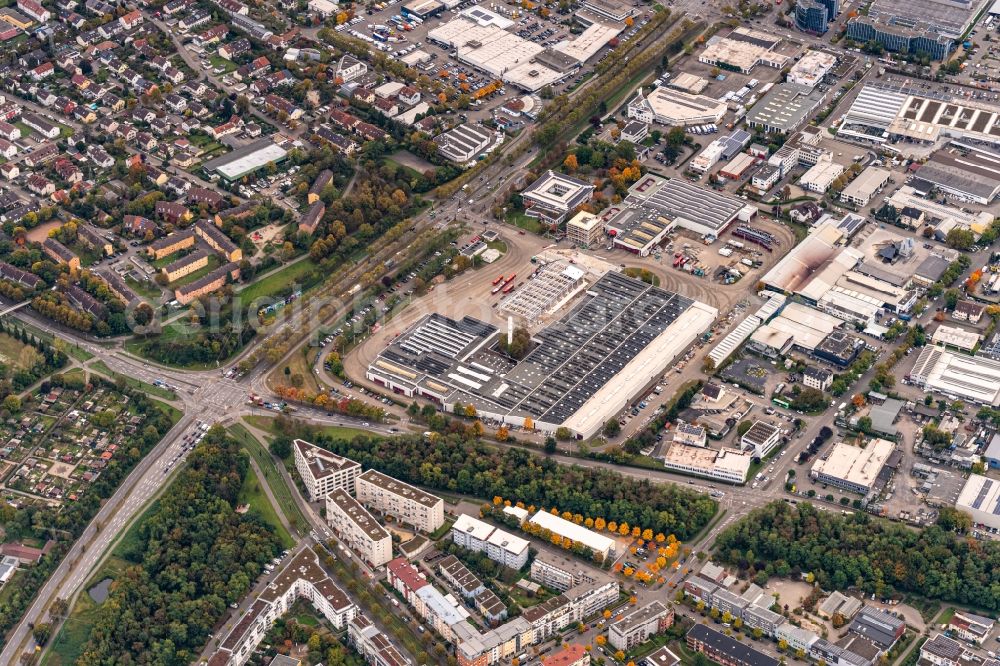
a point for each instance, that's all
(481, 537)
(559, 572)
(302, 578)
(400, 500)
(358, 528)
(639, 625)
(322, 471)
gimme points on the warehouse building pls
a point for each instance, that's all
(854, 468)
(785, 108)
(957, 376)
(245, 161)
(598, 543)
(971, 175)
(869, 182)
(585, 368)
(699, 210)
(464, 143)
(819, 177)
(956, 337)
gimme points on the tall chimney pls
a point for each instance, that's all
(510, 330)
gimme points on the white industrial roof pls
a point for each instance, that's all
(577, 533)
(854, 464)
(734, 339)
(967, 377)
(955, 336)
(807, 326)
(586, 45)
(246, 163)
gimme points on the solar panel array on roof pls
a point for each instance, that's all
(982, 494)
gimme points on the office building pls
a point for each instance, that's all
(358, 528)
(861, 190)
(585, 230)
(727, 465)
(812, 16)
(554, 195)
(930, 27)
(322, 471)
(761, 438)
(402, 501)
(675, 108)
(637, 627)
(854, 468)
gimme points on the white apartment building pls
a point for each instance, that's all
(507, 549)
(481, 537)
(372, 644)
(413, 506)
(636, 627)
(302, 578)
(358, 528)
(323, 471)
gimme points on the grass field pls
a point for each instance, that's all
(282, 493)
(524, 222)
(166, 394)
(67, 646)
(266, 423)
(144, 289)
(299, 364)
(252, 493)
(174, 413)
(219, 61)
(213, 263)
(275, 282)
(11, 350)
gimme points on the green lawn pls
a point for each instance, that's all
(219, 61)
(275, 282)
(521, 220)
(945, 616)
(213, 263)
(79, 353)
(67, 646)
(334, 432)
(143, 288)
(166, 394)
(252, 493)
(25, 130)
(282, 493)
(174, 413)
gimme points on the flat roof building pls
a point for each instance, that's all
(481, 537)
(246, 160)
(637, 627)
(583, 369)
(785, 107)
(812, 68)
(553, 195)
(323, 471)
(743, 49)
(726, 465)
(968, 175)
(562, 572)
(956, 337)
(585, 230)
(931, 27)
(598, 543)
(861, 190)
(980, 498)
(761, 438)
(667, 106)
(410, 505)
(957, 376)
(820, 176)
(854, 468)
(358, 528)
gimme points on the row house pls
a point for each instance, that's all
(43, 154)
(211, 36)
